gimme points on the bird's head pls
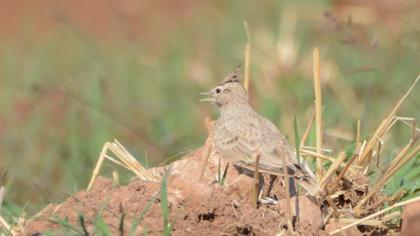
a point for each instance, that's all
(229, 91)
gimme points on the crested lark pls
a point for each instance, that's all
(240, 134)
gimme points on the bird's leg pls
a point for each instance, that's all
(271, 184)
(257, 180)
(292, 190)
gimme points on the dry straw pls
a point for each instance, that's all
(360, 160)
(3, 223)
(360, 221)
(318, 110)
(206, 160)
(287, 191)
(401, 158)
(363, 156)
(125, 159)
(307, 130)
(256, 180)
(383, 127)
(247, 58)
(333, 168)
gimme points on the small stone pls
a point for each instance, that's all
(309, 215)
(411, 220)
(353, 231)
(241, 188)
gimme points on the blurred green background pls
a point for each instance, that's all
(76, 74)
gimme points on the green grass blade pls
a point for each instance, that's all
(224, 175)
(219, 174)
(142, 214)
(83, 224)
(145, 231)
(297, 138)
(165, 206)
(101, 227)
(65, 224)
(121, 225)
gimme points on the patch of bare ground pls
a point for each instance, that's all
(196, 207)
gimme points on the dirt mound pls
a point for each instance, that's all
(189, 216)
(195, 207)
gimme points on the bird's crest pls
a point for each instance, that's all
(234, 76)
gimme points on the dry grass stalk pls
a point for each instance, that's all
(413, 139)
(125, 159)
(326, 219)
(256, 180)
(358, 150)
(312, 154)
(6, 226)
(324, 150)
(372, 207)
(405, 120)
(395, 166)
(114, 161)
(341, 175)
(360, 221)
(380, 131)
(3, 222)
(375, 223)
(2, 193)
(333, 206)
(398, 162)
(130, 161)
(98, 164)
(206, 160)
(318, 110)
(337, 194)
(391, 216)
(333, 168)
(396, 196)
(115, 178)
(358, 133)
(209, 126)
(307, 130)
(287, 191)
(247, 58)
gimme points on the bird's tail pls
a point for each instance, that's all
(310, 186)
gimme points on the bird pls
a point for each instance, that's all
(240, 134)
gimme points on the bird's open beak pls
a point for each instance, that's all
(209, 97)
(205, 94)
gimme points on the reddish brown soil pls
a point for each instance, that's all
(196, 207)
(411, 220)
(214, 213)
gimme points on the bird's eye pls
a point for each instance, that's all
(218, 90)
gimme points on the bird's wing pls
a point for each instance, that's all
(274, 144)
(277, 147)
(242, 139)
(238, 140)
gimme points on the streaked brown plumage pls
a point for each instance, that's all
(240, 134)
